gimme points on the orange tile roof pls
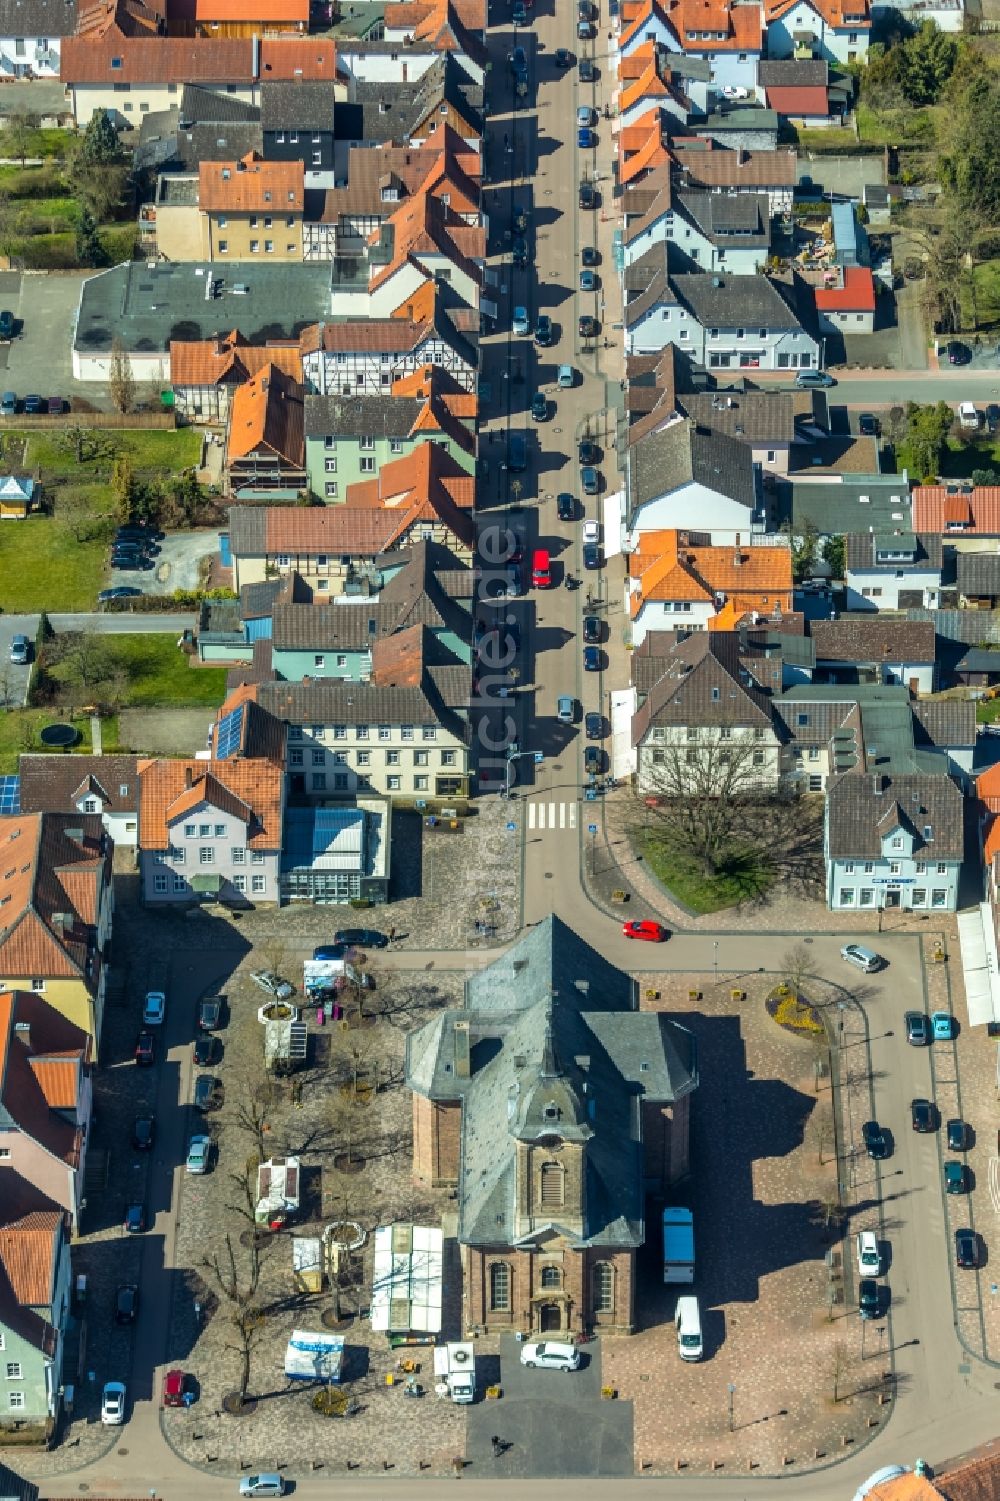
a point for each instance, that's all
(250, 788)
(991, 847)
(666, 567)
(29, 1028)
(419, 305)
(742, 26)
(433, 380)
(288, 57)
(425, 485)
(422, 225)
(856, 295)
(640, 18)
(268, 412)
(265, 12)
(59, 1079)
(652, 154)
(988, 782)
(207, 362)
(28, 1256)
(840, 14)
(633, 64)
(977, 512)
(45, 874)
(163, 59)
(251, 186)
(649, 85)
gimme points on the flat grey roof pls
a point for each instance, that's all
(147, 307)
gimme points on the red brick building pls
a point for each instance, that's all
(556, 1108)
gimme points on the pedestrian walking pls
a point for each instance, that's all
(495, 1445)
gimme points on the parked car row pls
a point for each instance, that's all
(134, 548)
(31, 406)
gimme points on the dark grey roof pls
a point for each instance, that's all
(384, 111)
(707, 681)
(979, 659)
(38, 18)
(721, 301)
(447, 81)
(347, 703)
(297, 105)
(257, 600)
(872, 638)
(357, 416)
(863, 808)
(248, 531)
(679, 455)
(200, 105)
(970, 627)
(752, 416)
(849, 503)
(351, 626)
(977, 572)
(924, 552)
(652, 263)
(54, 784)
(947, 721)
(737, 219)
(147, 307)
(222, 142)
(552, 1025)
(793, 73)
(218, 620)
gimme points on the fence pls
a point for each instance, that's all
(119, 420)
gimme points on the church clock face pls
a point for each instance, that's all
(550, 1143)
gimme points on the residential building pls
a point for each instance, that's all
(297, 121)
(235, 210)
(104, 785)
(673, 584)
(265, 443)
(652, 77)
(237, 18)
(682, 477)
(848, 307)
(805, 92)
(147, 306)
(736, 171)
(406, 95)
(700, 230)
(977, 579)
(204, 373)
(551, 1191)
(728, 38)
(35, 1286)
(726, 322)
(875, 649)
(56, 909)
(838, 30)
(338, 851)
(402, 734)
(334, 548)
(445, 26)
(362, 356)
(892, 841)
(45, 1098)
(961, 512)
(213, 829)
(19, 496)
(31, 36)
(841, 504)
(893, 570)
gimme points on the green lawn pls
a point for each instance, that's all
(43, 567)
(158, 673)
(900, 127)
(745, 875)
(981, 305)
(19, 730)
(958, 460)
(987, 710)
(149, 448)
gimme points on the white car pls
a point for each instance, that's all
(869, 1256)
(735, 91)
(154, 1008)
(591, 531)
(113, 1404)
(272, 983)
(865, 959)
(551, 1355)
(584, 116)
(199, 1151)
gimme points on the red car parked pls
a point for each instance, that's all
(652, 932)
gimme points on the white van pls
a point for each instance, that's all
(688, 1322)
(968, 415)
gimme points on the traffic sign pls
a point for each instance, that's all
(591, 828)
(539, 757)
(511, 827)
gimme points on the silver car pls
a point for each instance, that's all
(565, 709)
(862, 958)
(272, 983)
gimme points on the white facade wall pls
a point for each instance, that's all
(895, 879)
(694, 507)
(671, 615)
(676, 229)
(127, 103)
(404, 761)
(403, 66)
(665, 748)
(946, 17)
(846, 322)
(34, 56)
(836, 44)
(879, 589)
(208, 841)
(331, 372)
(722, 348)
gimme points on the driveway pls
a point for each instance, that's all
(180, 557)
(14, 680)
(40, 359)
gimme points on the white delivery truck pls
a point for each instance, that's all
(687, 1321)
(678, 1245)
(455, 1371)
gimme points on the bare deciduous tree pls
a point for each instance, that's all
(252, 1102)
(840, 1360)
(121, 378)
(239, 1286)
(699, 787)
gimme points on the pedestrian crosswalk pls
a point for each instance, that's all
(551, 815)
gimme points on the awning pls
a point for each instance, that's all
(211, 884)
(979, 965)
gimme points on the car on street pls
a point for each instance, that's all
(923, 1115)
(590, 480)
(539, 407)
(521, 322)
(126, 1303)
(517, 58)
(868, 425)
(592, 658)
(587, 326)
(145, 1049)
(565, 708)
(20, 650)
(875, 1140)
(810, 379)
(33, 405)
(543, 331)
(206, 1092)
(330, 951)
(584, 116)
(869, 1255)
(113, 1404)
(206, 1050)
(588, 281)
(565, 506)
(864, 959)
(956, 1178)
(8, 404)
(958, 1135)
(7, 324)
(363, 938)
(588, 452)
(552, 1355)
(519, 14)
(591, 554)
(592, 759)
(120, 591)
(563, 57)
(588, 73)
(154, 1008)
(869, 1298)
(588, 196)
(210, 1013)
(966, 1250)
(958, 353)
(198, 1153)
(143, 1132)
(942, 1026)
(55, 406)
(268, 1483)
(589, 256)
(591, 531)
(135, 1219)
(918, 1032)
(592, 629)
(645, 929)
(593, 726)
(586, 138)
(519, 250)
(992, 416)
(273, 984)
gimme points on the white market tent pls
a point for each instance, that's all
(406, 1279)
(314, 1357)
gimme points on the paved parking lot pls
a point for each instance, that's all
(14, 680)
(40, 359)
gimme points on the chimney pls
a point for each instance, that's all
(463, 1067)
(188, 779)
(878, 783)
(743, 156)
(76, 835)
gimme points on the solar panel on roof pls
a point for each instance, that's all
(10, 795)
(229, 733)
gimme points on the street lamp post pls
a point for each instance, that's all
(732, 1394)
(715, 958)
